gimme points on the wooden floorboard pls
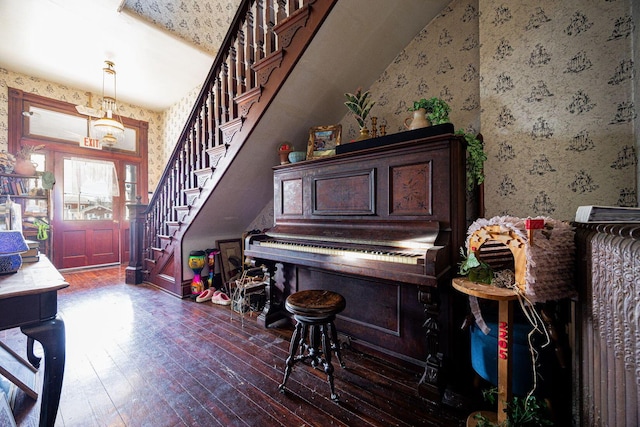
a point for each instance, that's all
(137, 356)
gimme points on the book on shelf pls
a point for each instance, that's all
(32, 244)
(614, 214)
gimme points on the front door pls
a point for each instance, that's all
(87, 223)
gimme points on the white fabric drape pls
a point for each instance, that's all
(91, 177)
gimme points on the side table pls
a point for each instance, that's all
(505, 297)
(29, 300)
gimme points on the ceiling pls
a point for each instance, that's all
(161, 50)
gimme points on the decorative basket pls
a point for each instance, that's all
(543, 266)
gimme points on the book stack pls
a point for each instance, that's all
(33, 254)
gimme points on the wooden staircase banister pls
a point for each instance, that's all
(196, 110)
(252, 49)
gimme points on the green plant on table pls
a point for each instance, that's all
(436, 108)
(475, 270)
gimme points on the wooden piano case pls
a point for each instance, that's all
(408, 191)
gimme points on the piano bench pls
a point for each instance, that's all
(315, 333)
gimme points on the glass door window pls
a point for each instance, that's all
(89, 189)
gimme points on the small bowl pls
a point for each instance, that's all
(297, 156)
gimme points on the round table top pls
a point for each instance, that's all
(481, 290)
(315, 303)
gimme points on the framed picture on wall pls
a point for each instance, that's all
(230, 258)
(323, 141)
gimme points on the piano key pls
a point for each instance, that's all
(397, 257)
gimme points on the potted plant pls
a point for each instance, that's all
(360, 105)
(24, 165)
(436, 110)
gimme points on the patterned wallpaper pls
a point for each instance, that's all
(549, 85)
(558, 111)
(75, 96)
(442, 60)
(204, 24)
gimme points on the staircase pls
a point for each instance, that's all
(265, 41)
(279, 56)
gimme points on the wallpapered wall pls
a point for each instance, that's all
(556, 95)
(547, 84)
(442, 60)
(201, 23)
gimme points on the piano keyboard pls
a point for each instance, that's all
(397, 257)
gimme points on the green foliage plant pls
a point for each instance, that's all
(521, 412)
(475, 159)
(360, 105)
(437, 109)
(475, 270)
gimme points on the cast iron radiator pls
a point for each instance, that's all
(607, 368)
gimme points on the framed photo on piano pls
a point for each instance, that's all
(230, 258)
(323, 141)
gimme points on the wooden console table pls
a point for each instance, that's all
(29, 300)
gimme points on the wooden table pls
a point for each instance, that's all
(29, 300)
(504, 297)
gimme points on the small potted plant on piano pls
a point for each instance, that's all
(433, 110)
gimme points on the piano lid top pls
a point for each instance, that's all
(401, 234)
(395, 138)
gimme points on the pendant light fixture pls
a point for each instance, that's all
(109, 128)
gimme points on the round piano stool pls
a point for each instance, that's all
(315, 333)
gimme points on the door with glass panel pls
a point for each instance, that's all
(89, 221)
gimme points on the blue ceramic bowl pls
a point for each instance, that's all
(297, 156)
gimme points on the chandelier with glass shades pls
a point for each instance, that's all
(108, 128)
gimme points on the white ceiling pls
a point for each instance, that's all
(67, 42)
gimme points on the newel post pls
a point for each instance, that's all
(133, 273)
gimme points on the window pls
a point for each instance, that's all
(89, 189)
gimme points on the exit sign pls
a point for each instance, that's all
(90, 143)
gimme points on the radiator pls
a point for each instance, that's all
(607, 350)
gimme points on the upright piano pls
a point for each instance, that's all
(382, 223)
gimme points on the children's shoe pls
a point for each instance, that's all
(205, 295)
(220, 298)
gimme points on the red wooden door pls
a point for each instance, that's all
(87, 223)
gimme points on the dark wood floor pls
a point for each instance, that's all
(137, 356)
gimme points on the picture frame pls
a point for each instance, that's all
(230, 254)
(323, 141)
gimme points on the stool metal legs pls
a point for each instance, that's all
(323, 339)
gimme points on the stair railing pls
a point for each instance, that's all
(251, 38)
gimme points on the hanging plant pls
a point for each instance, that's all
(475, 159)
